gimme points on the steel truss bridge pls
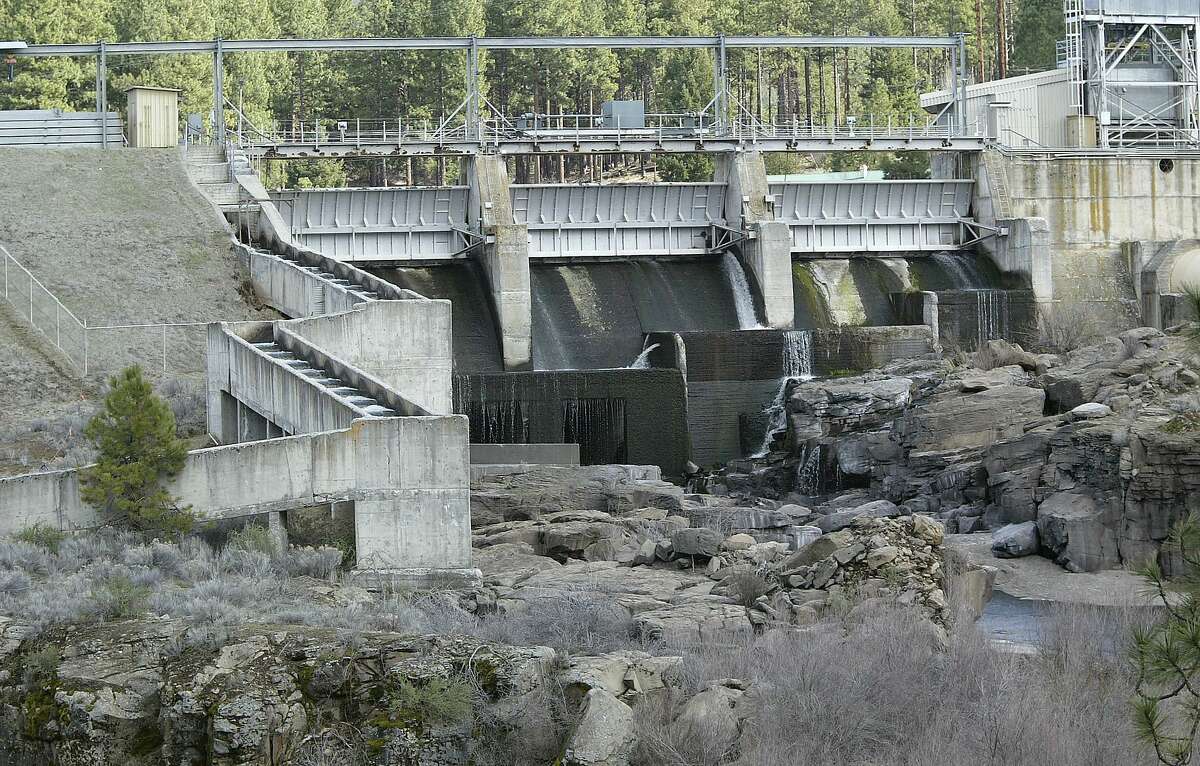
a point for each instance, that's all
(476, 126)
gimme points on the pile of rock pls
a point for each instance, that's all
(873, 557)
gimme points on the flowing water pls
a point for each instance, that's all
(797, 365)
(643, 359)
(743, 299)
(596, 315)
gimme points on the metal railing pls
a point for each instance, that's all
(172, 347)
(583, 127)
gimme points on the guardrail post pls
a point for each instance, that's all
(164, 348)
(85, 350)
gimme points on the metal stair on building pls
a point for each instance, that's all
(331, 383)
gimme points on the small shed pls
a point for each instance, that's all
(153, 116)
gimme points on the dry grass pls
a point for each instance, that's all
(883, 691)
(874, 685)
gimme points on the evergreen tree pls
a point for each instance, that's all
(1167, 655)
(138, 448)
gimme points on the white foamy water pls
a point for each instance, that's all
(797, 365)
(643, 359)
(743, 299)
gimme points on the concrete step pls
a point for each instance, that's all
(222, 193)
(205, 173)
(197, 153)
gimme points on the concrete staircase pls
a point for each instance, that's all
(350, 287)
(209, 170)
(333, 385)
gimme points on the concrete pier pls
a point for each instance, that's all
(504, 255)
(766, 252)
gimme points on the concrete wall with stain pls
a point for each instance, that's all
(1093, 206)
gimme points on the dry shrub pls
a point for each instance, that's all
(1063, 328)
(884, 691)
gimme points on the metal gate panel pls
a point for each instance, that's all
(873, 216)
(570, 220)
(377, 224)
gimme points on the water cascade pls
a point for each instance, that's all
(808, 474)
(797, 366)
(743, 299)
(643, 359)
(991, 315)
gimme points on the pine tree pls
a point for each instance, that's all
(1167, 655)
(138, 448)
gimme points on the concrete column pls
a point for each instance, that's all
(222, 408)
(766, 254)
(505, 257)
(412, 505)
(1025, 250)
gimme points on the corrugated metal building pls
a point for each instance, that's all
(1030, 110)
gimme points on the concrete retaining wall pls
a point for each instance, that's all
(404, 344)
(407, 477)
(1093, 205)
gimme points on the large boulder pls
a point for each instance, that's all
(1015, 540)
(842, 519)
(830, 406)
(1073, 532)
(605, 735)
(954, 420)
(696, 541)
(1001, 353)
(711, 721)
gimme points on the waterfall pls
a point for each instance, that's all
(808, 475)
(643, 359)
(797, 354)
(961, 269)
(991, 315)
(797, 366)
(743, 299)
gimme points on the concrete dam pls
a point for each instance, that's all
(661, 327)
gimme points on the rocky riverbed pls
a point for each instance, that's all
(817, 605)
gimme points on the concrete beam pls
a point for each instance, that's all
(504, 256)
(766, 253)
(407, 479)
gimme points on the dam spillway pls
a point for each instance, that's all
(596, 315)
(676, 276)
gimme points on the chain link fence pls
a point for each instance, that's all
(168, 348)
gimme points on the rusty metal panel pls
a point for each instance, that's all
(403, 224)
(570, 220)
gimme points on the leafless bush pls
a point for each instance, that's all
(186, 398)
(884, 691)
(745, 587)
(580, 621)
(1063, 328)
(322, 561)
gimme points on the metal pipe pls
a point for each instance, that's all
(181, 47)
